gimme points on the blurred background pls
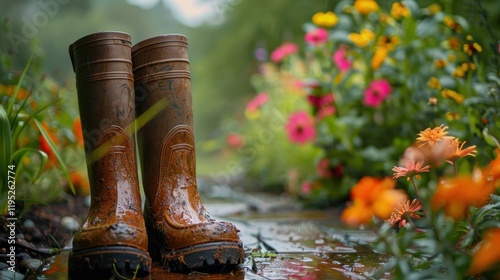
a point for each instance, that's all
(223, 38)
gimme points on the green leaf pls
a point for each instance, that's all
(53, 147)
(13, 98)
(20, 154)
(5, 148)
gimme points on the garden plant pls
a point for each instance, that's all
(381, 89)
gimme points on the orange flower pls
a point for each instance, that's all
(456, 151)
(456, 195)
(372, 196)
(488, 254)
(412, 169)
(10, 89)
(358, 213)
(81, 183)
(492, 171)
(77, 130)
(434, 83)
(433, 136)
(403, 210)
(365, 7)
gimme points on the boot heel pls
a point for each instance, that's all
(105, 262)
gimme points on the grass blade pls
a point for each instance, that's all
(5, 148)
(20, 154)
(13, 98)
(53, 147)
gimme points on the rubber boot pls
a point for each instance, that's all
(181, 232)
(113, 239)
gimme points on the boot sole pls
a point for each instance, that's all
(104, 262)
(216, 257)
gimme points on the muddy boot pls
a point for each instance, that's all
(113, 239)
(181, 232)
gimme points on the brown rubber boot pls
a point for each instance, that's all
(181, 232)
(113, 239)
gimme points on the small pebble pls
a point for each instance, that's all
(30, 264)
(10, 275)
(23, 256)
(70, 223)
(28, 224)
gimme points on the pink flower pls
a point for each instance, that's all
(341, 60)
(300, 128)
(316, 36)
(376, 92)
(283, 51)
(306, 187)
(235, 140)
(259, 100)
(325, 112)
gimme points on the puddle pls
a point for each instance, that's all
(303, 246)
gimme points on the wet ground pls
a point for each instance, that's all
(280, 242)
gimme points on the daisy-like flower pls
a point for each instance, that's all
(404, 210)
(327, 20)
(340, 59)
(365, 7)
(399, 10)
(487, 255)
(300, 128)
(432, 136)
(412, 169)
(457, 151)
(363, 38)
(472, 47)
(453, 25)
(283, 51)
(434, 83)
(376, 92)
(316, 37)
(448, 93)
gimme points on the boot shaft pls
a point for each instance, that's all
(105, 84)
(104, 79)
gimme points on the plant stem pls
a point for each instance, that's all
(417, 192)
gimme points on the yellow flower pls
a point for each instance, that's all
(454, 43)
(363, 38)
(327, 20)
(399, 10)
(378, 58)
(487, 255)
(451, 116)
(440, 63)
(387, 42)
(433, 9)
(472, 48)
(365, 7)
(453, 25)
(434, 83)
(448, 93)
